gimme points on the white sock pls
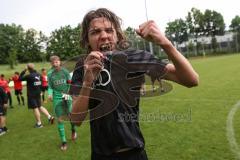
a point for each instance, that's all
(49, 116)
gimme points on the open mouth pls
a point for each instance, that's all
(106, 47)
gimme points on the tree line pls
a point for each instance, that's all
(197, 24)
(19, 46)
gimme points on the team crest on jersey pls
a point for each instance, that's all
(38, 82)
(59, 82)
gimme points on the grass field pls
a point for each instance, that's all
(185, 124)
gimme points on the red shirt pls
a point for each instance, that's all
(17, 82)
(44, 80)
(4, 84)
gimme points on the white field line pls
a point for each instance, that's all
(230, 131)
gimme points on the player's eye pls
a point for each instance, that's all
(109, 30)
(95, 32)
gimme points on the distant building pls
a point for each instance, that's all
(228, 36)
(223, 41)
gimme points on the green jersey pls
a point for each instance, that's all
(58, 82)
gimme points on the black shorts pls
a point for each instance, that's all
(34, 102)
(18, 91)
(3, 111)
(134, 154)
(44, 88)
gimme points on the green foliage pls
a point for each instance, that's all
(130, 33)
(10, 36)
(235, 27)
(196, 24)
(12, 58)
(214, 44)
(65, 42)
(15, 43)
(235, 24)
(191, 49)
(176, 31)
(31, 50)
(136, 41)
(213, 23)
(195, 21)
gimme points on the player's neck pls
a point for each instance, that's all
(58, 68)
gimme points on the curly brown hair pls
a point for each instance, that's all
(101, 12)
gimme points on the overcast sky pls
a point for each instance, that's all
(48, 15)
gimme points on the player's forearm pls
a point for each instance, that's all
(80, 105)
(21, 76)
(184, 70)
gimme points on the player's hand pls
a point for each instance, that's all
(25, 69)
(66, 96)
(150, 32)
(50, 97)
(92, 66)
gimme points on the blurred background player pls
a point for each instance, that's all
(18, 88)
(44, 84)
(58, 80)
(4, 84)
(34, 94)
(3, 111)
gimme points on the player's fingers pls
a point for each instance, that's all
(92, 72)
(92, 64)
(147, 29)
(95, 55)
(93, 61)
(143, 25)
(95, 67)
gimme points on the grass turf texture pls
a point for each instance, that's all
(185, 124)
